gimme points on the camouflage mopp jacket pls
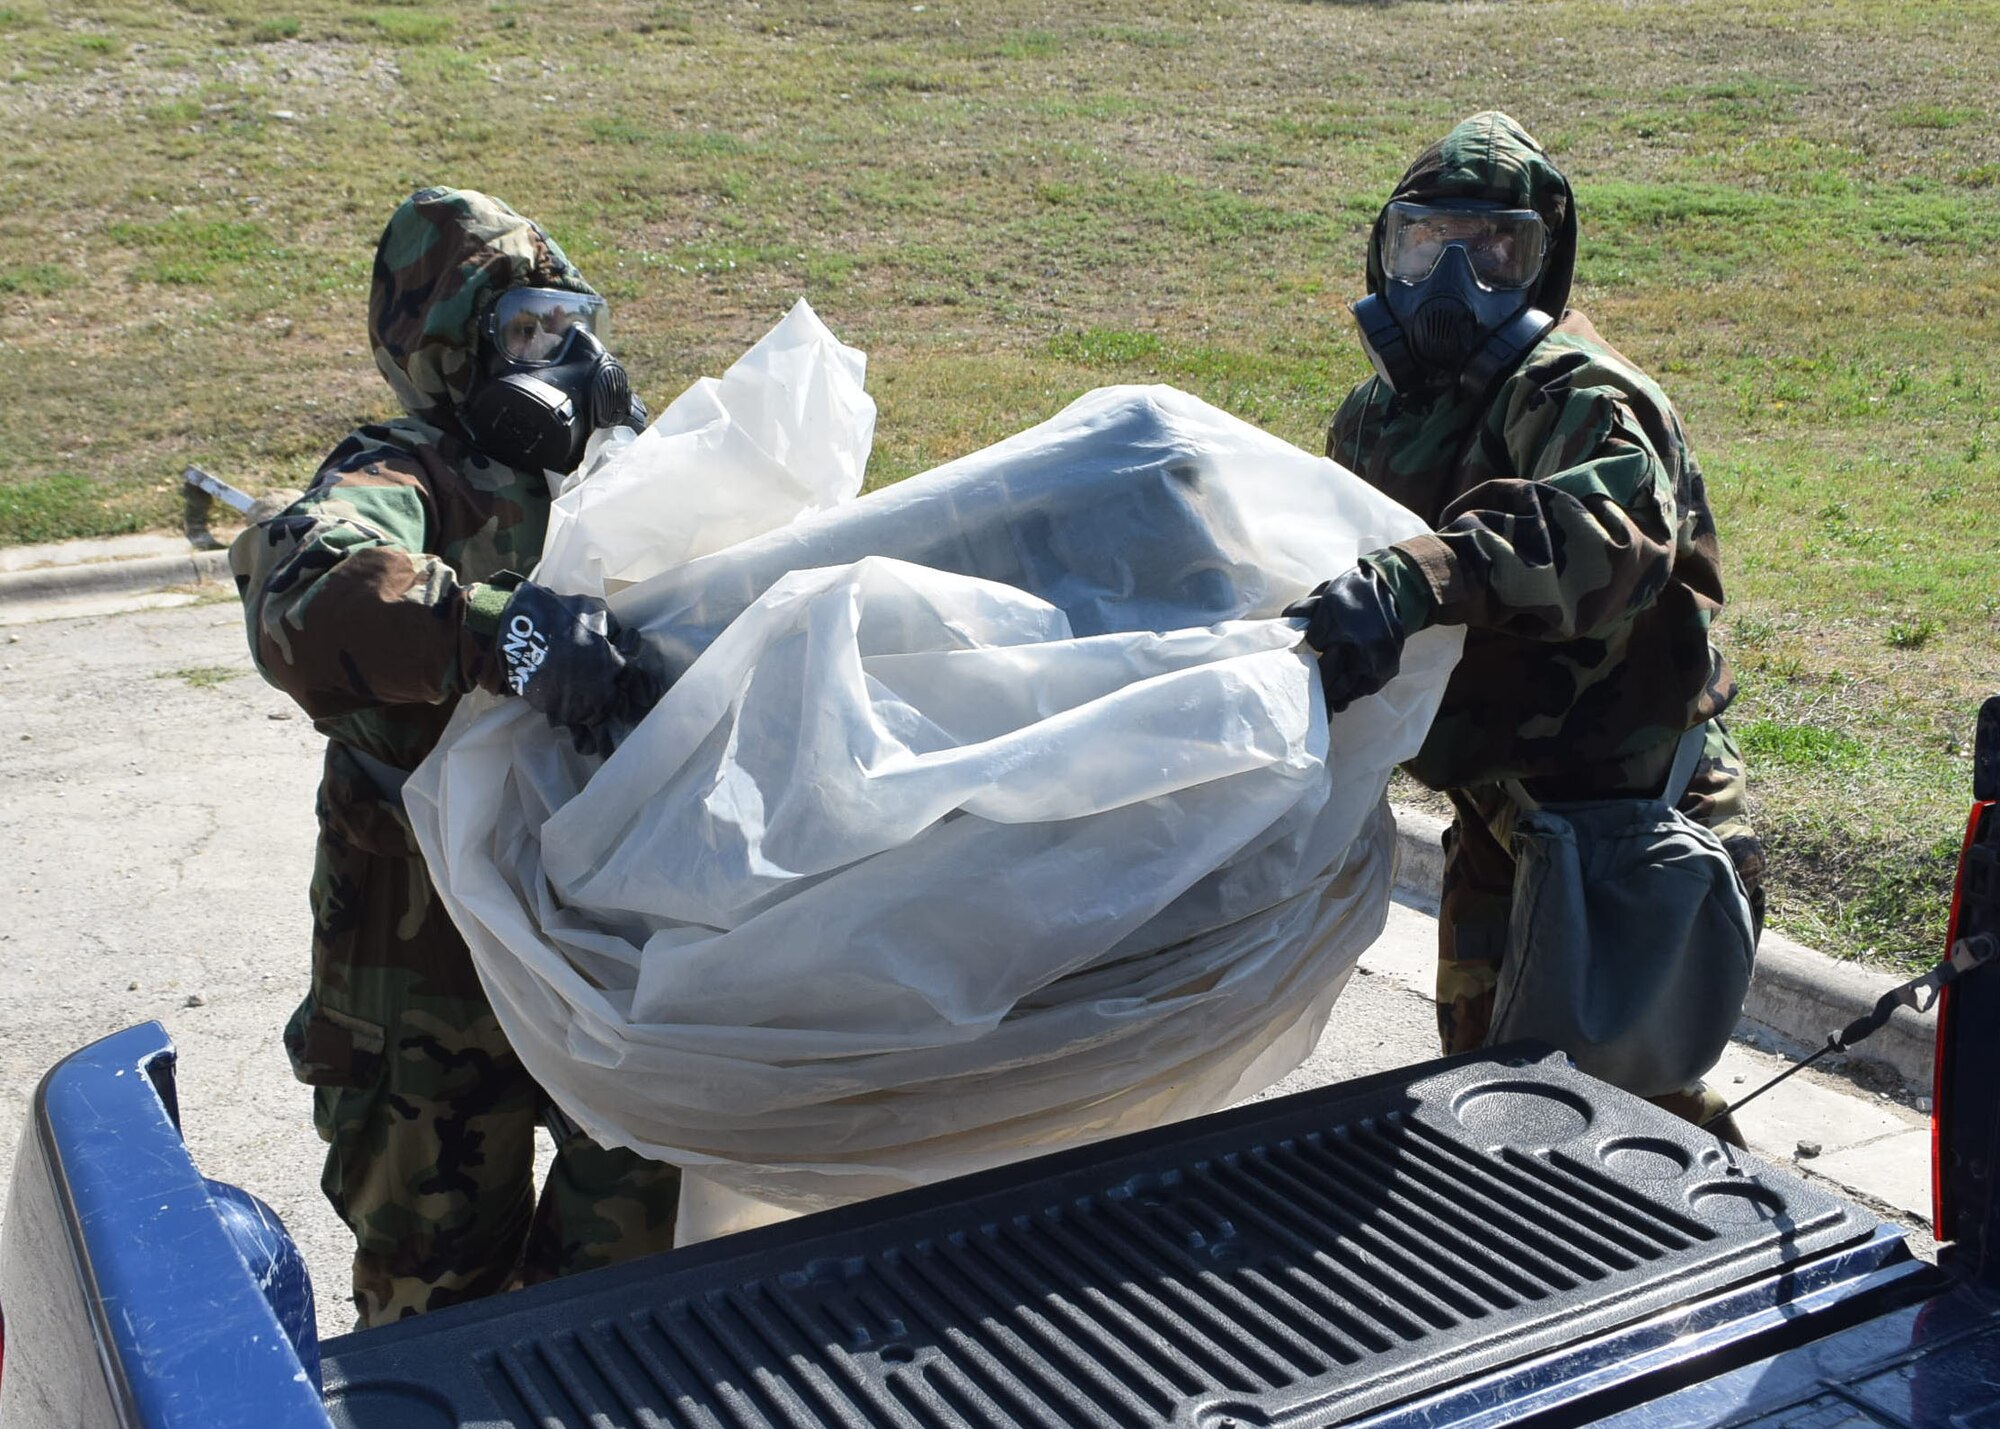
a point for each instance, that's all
(1575, 544)
(374, 601)
(1573, 534)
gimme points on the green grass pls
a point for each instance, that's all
(61, 507)
(1806, 748)
(414, 26)
(201, 677)
(193, 252)
(40, 280)
(1006, 204)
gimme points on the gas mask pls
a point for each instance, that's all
(1455, 303)
(548, 382)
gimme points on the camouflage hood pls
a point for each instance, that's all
(1489, 156)
(444, 258)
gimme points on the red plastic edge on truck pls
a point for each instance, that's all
(1939, 1222)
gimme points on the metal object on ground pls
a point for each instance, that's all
(200, 492)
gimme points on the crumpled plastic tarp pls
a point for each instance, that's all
(990, 811)
(784, 432)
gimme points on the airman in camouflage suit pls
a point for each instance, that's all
(375, 602)
(1574, 542)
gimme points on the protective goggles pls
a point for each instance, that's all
(1504, 245)
(532, 324)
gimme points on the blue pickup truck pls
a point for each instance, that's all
(1485, 1240)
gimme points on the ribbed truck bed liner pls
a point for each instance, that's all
(1305, 1260)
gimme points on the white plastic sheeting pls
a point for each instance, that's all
(785, 431)
(990, 811)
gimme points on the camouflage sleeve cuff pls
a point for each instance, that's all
(479, 629)
(1421, 575)
(484, 600)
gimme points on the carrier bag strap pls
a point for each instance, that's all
(387, 778)
(1685, 758)
(1523, 800)
(1686, 755)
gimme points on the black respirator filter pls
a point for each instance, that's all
(541, 418)
(1382, 339)
(1492, 356)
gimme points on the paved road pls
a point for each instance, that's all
(155, 842)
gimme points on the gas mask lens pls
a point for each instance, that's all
(530, 325)
(1505, 246)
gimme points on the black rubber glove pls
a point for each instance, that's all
(1351, 624)
(566, 657)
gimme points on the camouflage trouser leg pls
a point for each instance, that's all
(1477, 897)
(600, 1205)
(1716, 800)
(1474, 904)
(430, 1117)
(437, 1189)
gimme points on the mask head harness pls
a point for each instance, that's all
(1456, 304)
(546, 382)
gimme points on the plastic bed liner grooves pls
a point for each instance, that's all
(1305, 1260)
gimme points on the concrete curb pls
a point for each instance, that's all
(1797, 993)
(72, 582)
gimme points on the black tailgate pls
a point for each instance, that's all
(1312, 1257)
